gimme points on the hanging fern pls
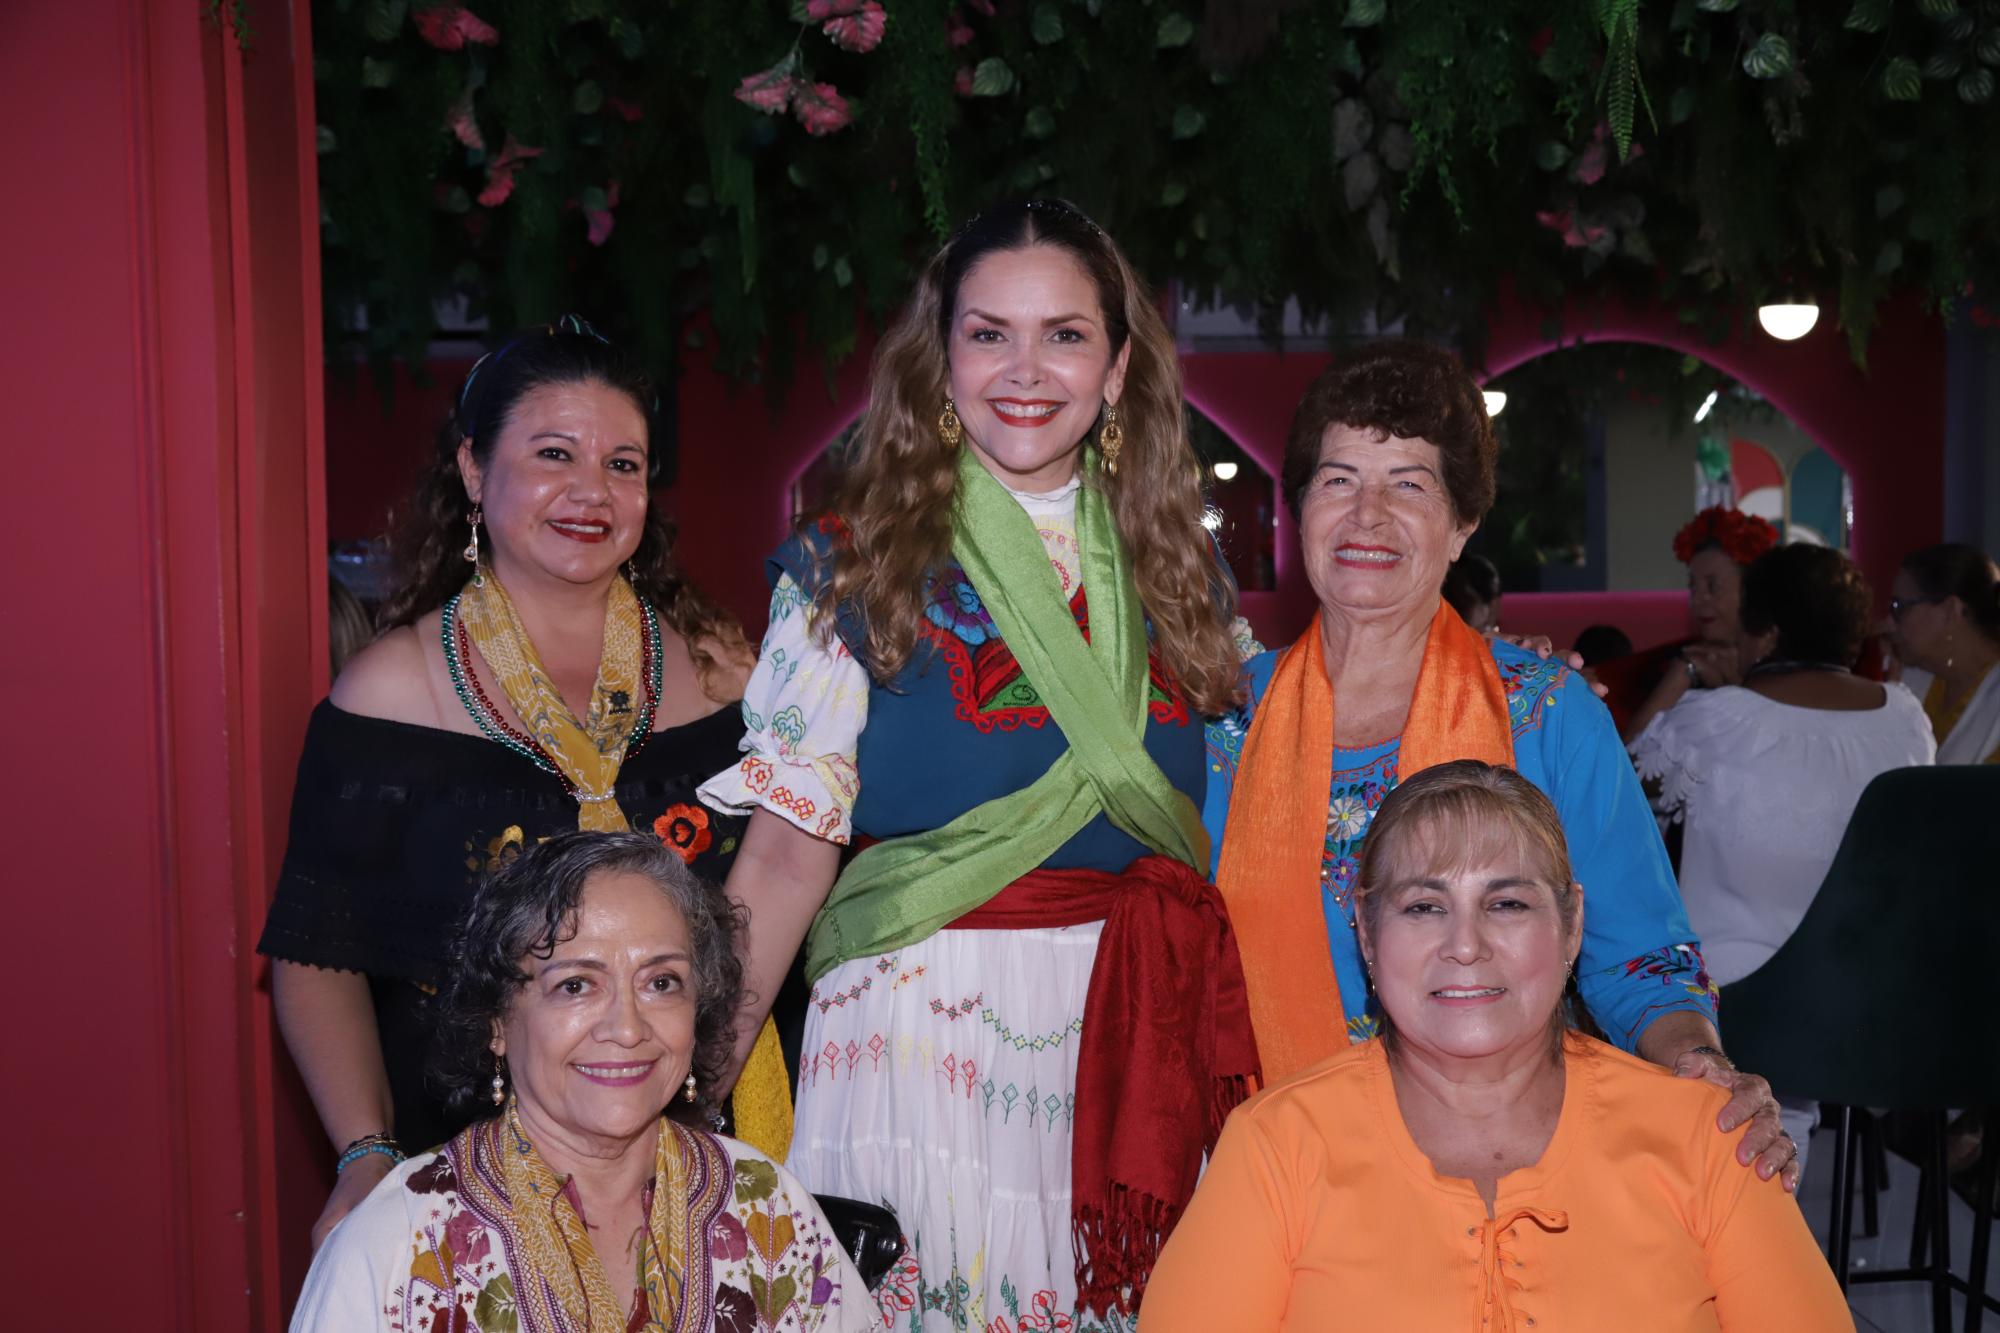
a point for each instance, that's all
(1398, 161)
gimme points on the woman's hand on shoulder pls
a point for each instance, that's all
(1544, 647)
(1715, 663)
(353, 1185)
(1765, 1143)
(388, 679)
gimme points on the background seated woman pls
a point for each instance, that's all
(1765, 775)
(1945, 605)
(1390, 468)
(599, 979)
(1508, 1173)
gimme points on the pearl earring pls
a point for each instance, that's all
(499, 1083)
(687, 1093)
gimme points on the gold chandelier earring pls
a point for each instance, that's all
(1110, 439)
(949, 429)
(688, 1088)
(471, 551)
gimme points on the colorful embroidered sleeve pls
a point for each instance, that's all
(803, 711)
(1640, 956)
(777, 1263)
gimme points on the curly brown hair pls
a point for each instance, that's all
(430, 527)
(530, 905)
(1408, 389)
(1816, 599)
(895, 498)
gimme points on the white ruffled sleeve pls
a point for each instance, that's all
(803, 710)
(1679, 746)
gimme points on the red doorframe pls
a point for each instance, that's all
(165, 599)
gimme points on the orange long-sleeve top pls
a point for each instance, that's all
(1318, 1211)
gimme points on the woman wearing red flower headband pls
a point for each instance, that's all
(1717, 545)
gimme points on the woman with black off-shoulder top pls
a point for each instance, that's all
(556, 672)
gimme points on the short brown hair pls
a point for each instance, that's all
(1404, 388)
(1432, 820)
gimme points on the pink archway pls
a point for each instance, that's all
(1884, 425)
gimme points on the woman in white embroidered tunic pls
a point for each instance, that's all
(1029, 790)
(600, 978)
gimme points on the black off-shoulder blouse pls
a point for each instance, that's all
(392, 827)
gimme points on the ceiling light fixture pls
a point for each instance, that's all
(1788, 321)
(1707, 406)
(1496, 401)
(1225, 471)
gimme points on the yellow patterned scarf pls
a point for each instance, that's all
(508, 1185)
(587, 752)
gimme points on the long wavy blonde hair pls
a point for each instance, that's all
(895, 497)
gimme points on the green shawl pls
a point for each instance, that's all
(901, 891)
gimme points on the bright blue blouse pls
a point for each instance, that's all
(1640, 958)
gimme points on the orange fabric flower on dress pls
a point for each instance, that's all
(685, 829)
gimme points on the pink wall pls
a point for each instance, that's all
(740, 456)
(167, 606)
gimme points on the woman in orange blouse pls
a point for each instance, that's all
(1480, 1166)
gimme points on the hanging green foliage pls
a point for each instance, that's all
(747, 174)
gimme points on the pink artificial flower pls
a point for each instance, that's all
(859, 32)
(771, 90)
(961, 82)
(461, 122)
(450, 27)
(600, 218)
(820, 108)
(500, 172)
(1589, 168)
(629, 112)
(818, 10)
(957, 31)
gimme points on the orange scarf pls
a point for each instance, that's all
(1276, 835)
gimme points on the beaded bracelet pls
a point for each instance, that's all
(361, 1150)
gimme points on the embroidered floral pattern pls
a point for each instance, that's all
(987, 683)
(685, 828)
(774, 1265)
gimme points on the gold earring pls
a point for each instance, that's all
(1111, 439)
(687, 1090)
(950, 431)
(499, 1083)
(471, 551)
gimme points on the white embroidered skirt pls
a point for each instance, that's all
(941, 1081)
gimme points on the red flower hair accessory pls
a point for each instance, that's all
(1742, 537)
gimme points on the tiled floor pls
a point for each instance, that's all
(1899, 1307)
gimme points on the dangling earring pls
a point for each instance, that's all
(471, 551)
(499, 1083)
(1111, 439)
(687, 1090)
(950, 430)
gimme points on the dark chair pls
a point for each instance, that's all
(1888, 996)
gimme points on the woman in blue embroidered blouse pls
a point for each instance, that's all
(1389, 468)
